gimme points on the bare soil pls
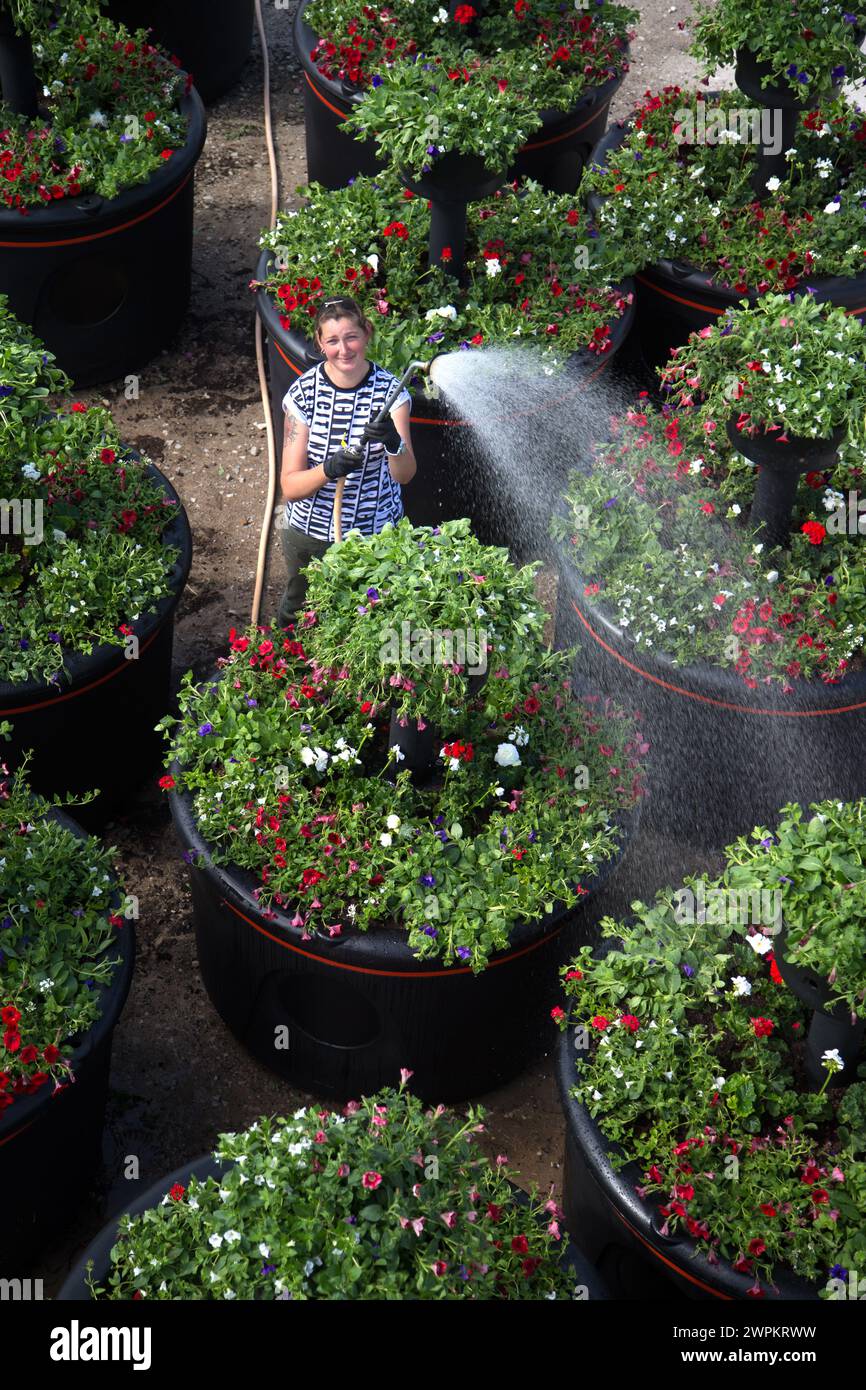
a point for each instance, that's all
(178, 1076)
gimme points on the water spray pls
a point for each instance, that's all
(424, 367)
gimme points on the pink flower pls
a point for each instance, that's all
(450, 1219)
(553, 1230)
(371, 1180)
(501, 1160)
(439, 1267)
(405, 1074)
(343, 1170)
(837, 1175)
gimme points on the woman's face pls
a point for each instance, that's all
(344, 343)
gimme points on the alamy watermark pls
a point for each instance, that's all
(22, 517)
(423, 646)
(742, 125)
(736, 907)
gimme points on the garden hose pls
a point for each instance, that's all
(265, 535)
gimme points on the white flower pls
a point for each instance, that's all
(760, 944)
(385, 840)
(831, 1058)
(399, 755)
(97, 118)
(492, 265)
(774, 183)
(232, 1237)
(58, 534)
(32, 472)
(718, 1082)
(669, 1075)
(215, 1240)
(498, 791)
(507, 755)
(309, 756)
(772, 576)
(831, 208)
(373, 260)
(519, 736)
(441, 16)
(596, 1095)
(741, 984)
(393, 822)
(445, 311)
(45, 985)
(736, 508)
(192, 1203)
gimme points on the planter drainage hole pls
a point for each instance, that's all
(328, 1011)
(86, 293)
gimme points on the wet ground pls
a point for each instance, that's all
(178, 1076)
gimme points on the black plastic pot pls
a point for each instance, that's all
(831, 1025)
(105, 283)
(51, 1144)
(75, 1287)
(724, 757)
(339, 1017)
(453, 479)
(95, 728)
(212, 38)
(779, 465)
(620, 1233)
(676, 298)
(555, 156)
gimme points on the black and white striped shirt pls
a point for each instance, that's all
(336, 416)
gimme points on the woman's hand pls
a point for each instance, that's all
(383, 432)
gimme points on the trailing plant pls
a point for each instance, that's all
(808, 44)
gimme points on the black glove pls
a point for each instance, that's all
(342, 463)
(382, 432)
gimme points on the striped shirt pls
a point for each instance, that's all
(336, 416)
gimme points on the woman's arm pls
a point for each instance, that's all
(403, 467)
(297, 479)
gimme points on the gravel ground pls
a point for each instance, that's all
(178, 1076)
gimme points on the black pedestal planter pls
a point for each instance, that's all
(620, 1233)
(75, 1287)
(724, 757)
(831, 1025)
(340, 1017)
(95, 728)
(555, 155)
(105, 282)
(51, 1144)
(675, 298)
(453, 478)
(212, 38)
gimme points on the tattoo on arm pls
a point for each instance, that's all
(293, 430)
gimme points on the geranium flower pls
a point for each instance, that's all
(371, 1180)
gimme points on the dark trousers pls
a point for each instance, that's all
(298, 550)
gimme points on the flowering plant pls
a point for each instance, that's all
(285, 756)
(384, 1200)
(679, 186)
(110, 116)
(789, 365)
(370, 240)
(810, 45)
(80, 521)
(817, 864)
(486, 73)
(57, 928)
(690, 1059)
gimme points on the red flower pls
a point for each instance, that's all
(557, 1014)
(167, 782)
(572, 217)
(493, 1211)
(630, 1022)
(166, 154)
(10, 1015)
(763, 1027)
(78, 408)
(756, 1246)
(445, 253)
(574, 975)
(811, 1173)
(439, 1267)
(599, 1022)
(520, 1245)
(531, 705)
(177, 1192)
(775, 973)
(464, 14)
(29, 1054)
(11, 1040)
(398, 229)
(477, 340)
(372, 1180)
(768, 1209)
(51, 1054)
(815, 531)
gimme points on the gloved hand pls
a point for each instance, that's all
(382, 432)
(342, 463)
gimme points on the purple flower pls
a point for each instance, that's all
(7, 922)
(188, 856)
(362, 608)
(427, 881)
(442, 836)
(791, 70)
(611, 502)
(850, 18)
(306, 728)
(766, 842)
(783, 879)
(6, 390)
(464, 952)
(373, 594)
(125, 139)
(838, 73)
(78, 912)
(376, 81)
(838, 1272)
(428, 930)
(23, 643)
(532, 837)
(268, 1269)
(829, 580)
(803, 77)
(54, 636)
(205, 729)
(440, 820)
(436, 337)
(688, 971)
(251, 702)
(433, 149)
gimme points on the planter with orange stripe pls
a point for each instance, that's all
(105, 282)
(453, 479)
(339, 1017)
(620, 1233)
(51, 1143)
(212, 38)
(554, 155)
(724, 757)
(676, 298)
(95, 726)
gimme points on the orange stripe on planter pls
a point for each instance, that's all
(704, 307)
(390, 974)
(314, 89)
(671, 1264)
(81, 689)
(97, 236)
(15, 1133)
(426, 420)
(706, 699)
(575, 130)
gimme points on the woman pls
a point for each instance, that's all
(330, 410)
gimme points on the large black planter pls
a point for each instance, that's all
(832, 1026)
(105, 283)
(212, 38)
(95, 728)
(555, 155)
(454, 479)
(51, 1144)
(75, 1288)
(724, 757)
(620, 1233)
(676, 298)
(339, 1017)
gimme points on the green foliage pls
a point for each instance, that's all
(806, 42)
